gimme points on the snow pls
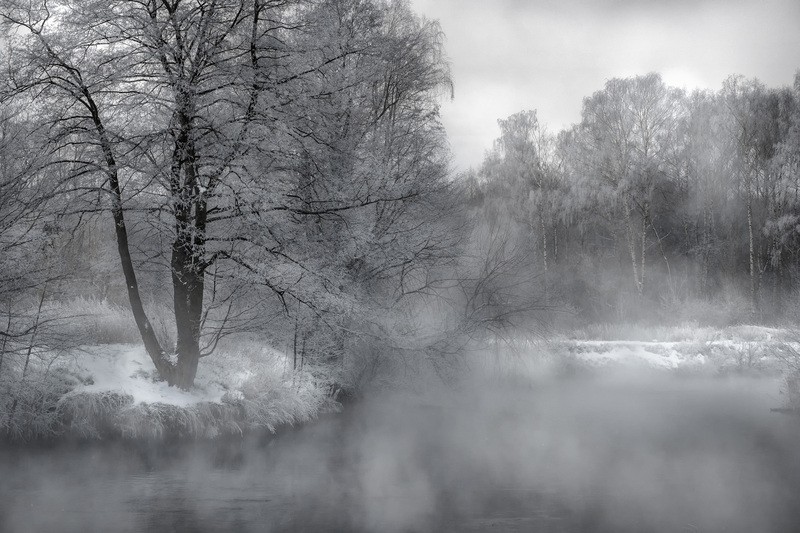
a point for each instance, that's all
(127, 369)
(686, 347)
(743, 347)
(650, 353)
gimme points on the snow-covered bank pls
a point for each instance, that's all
(686, 350)
(744, 348)
(714, 356)
(112, 390)
(127, 370)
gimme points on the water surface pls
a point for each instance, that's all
(613, 454)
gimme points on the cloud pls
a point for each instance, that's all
(509, 55)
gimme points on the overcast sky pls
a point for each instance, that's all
(510, 55)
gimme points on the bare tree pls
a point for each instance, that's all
(244, 132)
(626, 141)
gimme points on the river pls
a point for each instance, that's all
(612, 453)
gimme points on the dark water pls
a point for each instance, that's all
(614, 454)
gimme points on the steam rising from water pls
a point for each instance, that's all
(615, 453)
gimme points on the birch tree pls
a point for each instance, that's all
(519, 169)
(625, 145)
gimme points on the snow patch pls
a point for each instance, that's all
(720, 352)
(649, 353)
(127, 369)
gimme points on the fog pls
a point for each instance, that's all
(617, 451)
(272, 185)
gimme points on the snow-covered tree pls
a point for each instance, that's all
(287, 145)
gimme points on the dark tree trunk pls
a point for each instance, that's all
(188, 288)
(188, 249)
(151, 344)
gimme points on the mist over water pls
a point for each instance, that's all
(613, 452)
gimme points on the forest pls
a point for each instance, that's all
(202, 177)
(657, 204)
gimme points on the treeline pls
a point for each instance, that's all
(660, 204)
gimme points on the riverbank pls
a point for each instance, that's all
(108, 391)
(687, 349)
(111, 391)
(621, 452)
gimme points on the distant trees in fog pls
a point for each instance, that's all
(658, 196)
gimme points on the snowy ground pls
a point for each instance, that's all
(689, 350)
(113, 388)
(128, 370)
(740, 348)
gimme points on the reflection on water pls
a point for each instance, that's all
(612, 454)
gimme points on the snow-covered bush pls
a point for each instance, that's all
(29, 403)
(94, 321)
(92, 415)
(107, 391)
(91, 321)
(789, 355)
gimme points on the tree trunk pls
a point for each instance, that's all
(555, 243)
(645, 217)
(777, 287)
(706, 249)
(753, 295)
(188, 249)
(294, 345)
(631, 238)
(5, 340)
(544, 256)
(151, 344)
(544, 242)
(188, 288)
